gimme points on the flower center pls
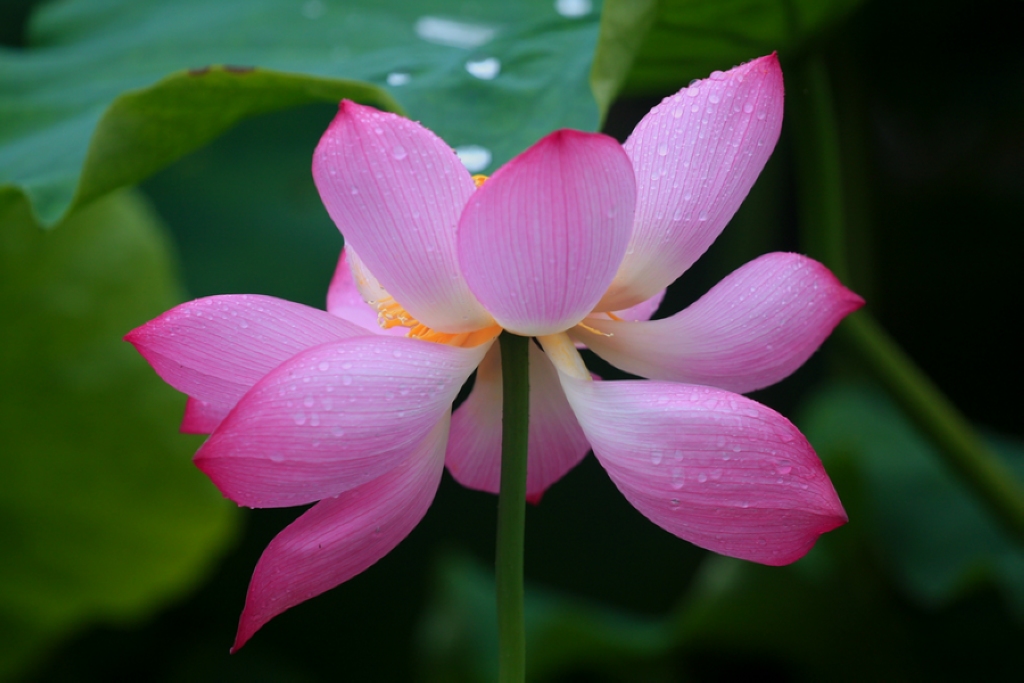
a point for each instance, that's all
(391, 314)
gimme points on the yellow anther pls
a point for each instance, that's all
(479, 179)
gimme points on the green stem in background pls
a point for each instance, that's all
(515, 379)
(823, 234)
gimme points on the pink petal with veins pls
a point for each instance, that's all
(695, 155)
(333, 418)
(540, 241)
(215, 349)
(202, 417)
(556, 441)
(396, 190)
(341, 537)
(643, 310)
(714, 468)
(345, 300)
(753, 329)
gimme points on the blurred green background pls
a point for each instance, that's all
(121, 562)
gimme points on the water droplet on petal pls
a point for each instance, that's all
(663, 149)
(346, 379)
(399, 153)
(300, 418)
(678, 478)
(748, 108)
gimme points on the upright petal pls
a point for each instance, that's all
(556, 441)
(696, 155)
(215, 349)
(717, 469)
(754, 328)
(345, 297)
(395, 190)
(333, 418)
(540, 241)
(341, 537)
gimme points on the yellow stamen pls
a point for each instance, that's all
(391, 314)
(613, 316)
(588, 328)
(479, 179)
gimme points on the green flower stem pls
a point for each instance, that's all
(515, 378)
(824, 236)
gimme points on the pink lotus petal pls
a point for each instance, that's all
(395, 190)
(202, 417)
(643, 310)
(717, 469)
(345, 300)
(333, 418)
(754, 328)
(540, 241)
(215, 349)
(696, 155)
(556, 441)
(341, 537)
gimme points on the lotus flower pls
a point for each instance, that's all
(572, 242)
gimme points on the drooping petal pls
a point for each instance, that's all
(215, 349)
(202, 417)
(754, 328)
(556, 441)
(346, 300)
(333, 418)
(696, 155)
(540, 241)
(341, 537)
(396, 190)
(717, 469)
